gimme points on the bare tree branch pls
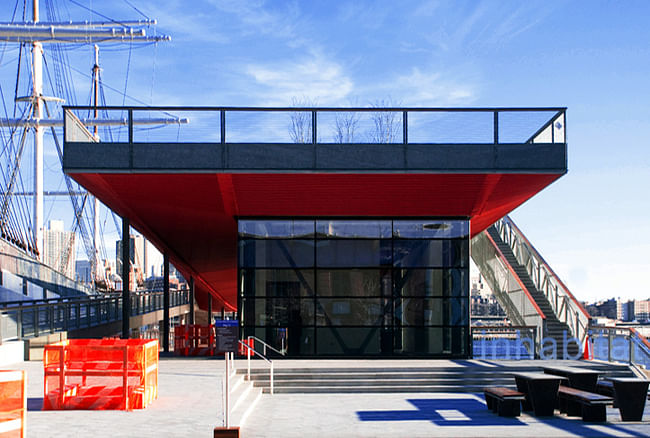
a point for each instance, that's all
(386, 123)
(300, 127)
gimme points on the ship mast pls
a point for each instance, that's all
(95, 200)
(37, 33)
(37, 93)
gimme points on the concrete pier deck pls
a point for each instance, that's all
(190, 405)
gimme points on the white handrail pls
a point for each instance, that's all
(265, 345)
(248, 362)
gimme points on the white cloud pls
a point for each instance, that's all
(314, 78)
(419, 88)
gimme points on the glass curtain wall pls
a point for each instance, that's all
(356, 288)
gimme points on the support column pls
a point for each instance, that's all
(126, 273)
(209, 308)
(166, 303)
(191, 300)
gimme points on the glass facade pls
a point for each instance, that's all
(356, 288)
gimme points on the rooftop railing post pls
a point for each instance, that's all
(130, 138)
(631, 341)
(405, 124)
(314, 136)
(222, 124)
(496, 127)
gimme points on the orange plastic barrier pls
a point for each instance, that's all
(13, 404)
(194, 340)
(100, 374)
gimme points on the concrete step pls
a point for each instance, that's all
(374, 389)
(393, 380)
(381, 372)
(243, 399)
(362, 383)
(375, 376)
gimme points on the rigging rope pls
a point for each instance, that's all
(135, 9)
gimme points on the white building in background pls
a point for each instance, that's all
(59, 248)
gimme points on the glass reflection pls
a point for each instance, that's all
(271, 229)
(353, 288)
(353, 229)
(277, 282)
(431, 282)
(276, 253)
(349, 311)
(353, 282)
(431, 229)
(430, 253)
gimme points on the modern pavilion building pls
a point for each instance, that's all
(332, 232)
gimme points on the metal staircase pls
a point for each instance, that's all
(522, 281)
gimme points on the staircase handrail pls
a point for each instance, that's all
(565, 306)
(250, 349)
(513, 295)
(265, 345)
(630, 334)
(506, 265)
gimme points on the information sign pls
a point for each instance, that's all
(227, 332)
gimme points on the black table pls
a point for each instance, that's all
(541, 392)
(630, 394)
(579, 378)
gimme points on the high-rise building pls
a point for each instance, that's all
(59, 248)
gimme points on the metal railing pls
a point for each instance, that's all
(565, 306)
(620, 344)
(511, 294)
(312, 125)
(265, 345)
(504, 342)
(250, 350)
(21, 319)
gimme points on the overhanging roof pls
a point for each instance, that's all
(185, 197)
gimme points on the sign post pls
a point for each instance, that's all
(227, 337)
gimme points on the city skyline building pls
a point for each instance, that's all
(59, 248)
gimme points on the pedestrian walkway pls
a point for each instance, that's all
(190, 405)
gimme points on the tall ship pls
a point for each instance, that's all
(48, 58)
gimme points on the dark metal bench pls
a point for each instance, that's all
(504, 401)
(590, 406)
(605, 387)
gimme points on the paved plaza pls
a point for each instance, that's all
(190, 405)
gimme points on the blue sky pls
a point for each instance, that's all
(590, 56)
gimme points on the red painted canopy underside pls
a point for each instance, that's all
(192, 216)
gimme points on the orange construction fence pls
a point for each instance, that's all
(13, 404)
(100, 374)
(194, 340)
